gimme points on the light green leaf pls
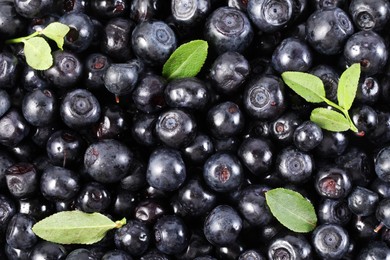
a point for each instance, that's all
(291, 209)
(186, 61)
(38, 53)
(329, 119)
(347, 87)
(56, 31)
(308, 86)
(75, 227)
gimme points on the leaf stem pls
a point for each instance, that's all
(120, 223)
(22, 39)
(345, 112)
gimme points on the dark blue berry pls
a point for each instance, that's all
(153, 42)
(223, 172)
(108, 160)
(171, 234)
(166, 170)
(222, 226)
(330, 241)
(228, 29)
(93, 197)
(134, 237)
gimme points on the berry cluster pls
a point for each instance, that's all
(188, 161)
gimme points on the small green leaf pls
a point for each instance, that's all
(56, 31)
(38, 53)
(75, 227)
(329, 119)
(291, 209)
(186, 61)
(347, 87)
(308, 86)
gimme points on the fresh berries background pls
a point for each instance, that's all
(192, 146)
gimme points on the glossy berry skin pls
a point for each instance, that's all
(47, 250)
(368, 91)
(264, 97)
(383, 212)
(40, 107)
(95, 67)
(116, 255)
(382, 168)
(143, 10)
(362, 201)
(7, 211)
(334, 212)
(134, 237)
(292, 246)
(16, 254)
(270, 16)
(153, 42)
(116, 42)
(330, 241)
(171, 234)
(223, 172)
(166, 170)
(195, 199)
(228, 29)
(225, 120)
(370, 52)
(108, 160)
(121, 78)
(319, 4)
(251, 255)
(13, 128)
(66, 70)
(292, 54)
(93, 197)
(253, 207)
(65, 148)
(332, 183)
(114, 123)
(199, 149)
(294, 166)
(33, 8)
(188, 93)
(257, 155)
(149, 210)
(307, 136)
(282, 129)
(370, 15)
(148, 94)
(11, 23)
(9, 70)
(328, 29)
(222, 226)
(175, 128)
(124, 203)
(329, 77)
(32, 79)
(333, 144)
(59, 184)
(229, 71)
(142, 129)
(80, 108)
(109, 8)
(5, 102)
(19, 233)
(191, 12)
(374, 250)
(22, 179)
(80, 36)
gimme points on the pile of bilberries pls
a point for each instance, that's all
(188, 161)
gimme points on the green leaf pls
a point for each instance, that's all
(329, 119)
(186, 61)
(347, 87)
(291, 209)
(38, 53)
(308, 86)
(75, 227)
(56, 31)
